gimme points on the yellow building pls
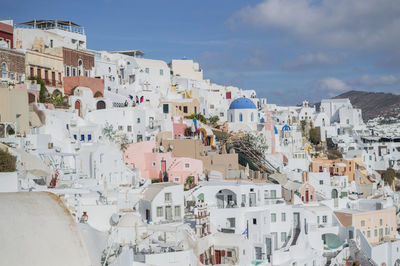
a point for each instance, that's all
(376, 225)
(46, 64)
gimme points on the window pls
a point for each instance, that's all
(75, 137)
(89, 137)
(32, 72)
(159, 211)
(240, 117)
(51, 43)
(258, 251)
(368, 234)
(120, 128)
(82, 137)
(211, 106)
(129, 128)
(185, 109)
(177, 211)
(244, 199)
(38, 73)
(283, 217)
(4, 70)
(283, 236)
(252, 117)
(325, 219)
(161, 72)
(273, 217)
(380, 222)
(165, 108)
(387, 231)
(254, 221)
(273, 194)
(73, 71)
(147, 70)
(376, 232)
(362, 223)
(167, 197)
(187, 165)
(138, 120)
(321, 182)
(153, 164)
(229, 254)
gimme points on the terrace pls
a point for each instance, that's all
(52, 24)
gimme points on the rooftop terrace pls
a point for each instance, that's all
(52, 24)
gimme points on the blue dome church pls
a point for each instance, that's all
(242, 115)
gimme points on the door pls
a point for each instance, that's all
(218, 257)
(78, 107)
(168, 213)
(53, 78)
(147, 215)
(307, 195)
(252, 199)
(101, 105)
(268, 246)
(296, 220)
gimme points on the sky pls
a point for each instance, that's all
(286, 50)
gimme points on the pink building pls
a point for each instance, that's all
(179, 128)
(307, 191)
(155, 165)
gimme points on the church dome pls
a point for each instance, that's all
(286, 128)
(242, 103)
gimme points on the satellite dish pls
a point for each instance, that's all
(162, 148)
(114, 219)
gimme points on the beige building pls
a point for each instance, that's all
(186, 69)
(181, 107)
(46, 63)
(14, 109)
(376, 225)
(192, 148)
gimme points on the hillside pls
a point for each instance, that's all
(373, 104)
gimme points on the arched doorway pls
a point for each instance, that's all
(78, 107)
(334, 194)
(226, 198)
(101, 105)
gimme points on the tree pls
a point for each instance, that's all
(388, 176)
(199, 117)
(214, 120)
(43, 90)
(7, 162)
(189, 182)
(315, 136)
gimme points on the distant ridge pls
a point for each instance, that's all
(373, 104)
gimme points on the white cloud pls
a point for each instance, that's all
(336, 23)
(332, 86)
(311, 60)
(367, 80)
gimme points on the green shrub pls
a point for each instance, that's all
(7, 162)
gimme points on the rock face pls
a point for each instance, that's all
(373, 104)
